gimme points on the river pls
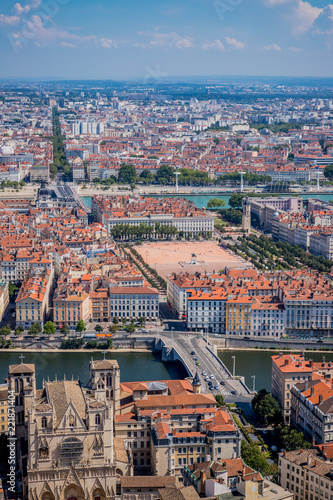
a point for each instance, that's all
(142, 365)
(201, 200)
(133, 366)
(259, 363)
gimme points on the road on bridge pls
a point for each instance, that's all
(185, 344)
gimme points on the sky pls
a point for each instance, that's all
(153, 40)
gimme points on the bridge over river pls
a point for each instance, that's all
(179, 346)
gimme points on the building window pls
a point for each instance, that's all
(98, 419)
(44, 423)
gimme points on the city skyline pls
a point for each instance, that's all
(158, 42)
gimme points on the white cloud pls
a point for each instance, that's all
(217, 44)
(272, 48)
(106, 43)
(34, 4)
(9, 20)
(301, 14)
(304, 17)
(67, 44)
(167, 40)
(294, 49)
(35, 31)
(234, 44)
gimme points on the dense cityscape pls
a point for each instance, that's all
(166, 250)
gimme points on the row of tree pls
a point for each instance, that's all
(60, 163)
(142, 231)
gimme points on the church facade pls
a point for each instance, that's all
(66, 447)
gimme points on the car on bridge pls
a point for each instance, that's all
(204, 374)
(192, 353)
(197, 363)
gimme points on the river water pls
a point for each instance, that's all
(259, 363)
(134, 366)
(142, 365)
(201, 200)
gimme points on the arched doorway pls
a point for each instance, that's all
(47, 496)
(73, 492)
(98, 494)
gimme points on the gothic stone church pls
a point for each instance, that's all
(66, 447)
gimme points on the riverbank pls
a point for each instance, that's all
(115, 189)
(56, 350)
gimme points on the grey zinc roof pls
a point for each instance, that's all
(156, 386)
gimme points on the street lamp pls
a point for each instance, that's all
(254, 382)
(234, 365)
(172, 329)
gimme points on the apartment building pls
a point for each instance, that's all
(231, 478)
(267, 317)
(306, 474)
(166, 424)
(176, 212)
(172, 450)
(3, 409)
(287, 369)
(134, 302)
(39, 173)
(70, 305)
(311, 405)
(206, 311)
(239, 315)
(100, 305)
(308, 308)
(33, 299)
(290, 369)
(4, 297)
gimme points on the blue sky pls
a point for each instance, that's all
(154, 39)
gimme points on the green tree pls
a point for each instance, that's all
(130, 328)
(146, 177)
(236, 199)
(142, 320)
(19, 330)
(80, 327)
(127, 174)
(98, 328)
(219, 400)
(115, 320)
(113, 329)
(291, 439)
(253, 457)
(12, 289)
(5, 331)
(266, 406)
(328, 172)
(165, 175)
(65, 330)
(215, 202)
(35, 329)
(49, 328)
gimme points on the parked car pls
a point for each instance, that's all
(192, 353)
(233, 392)
(204, 374)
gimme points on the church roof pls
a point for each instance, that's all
(105, 364)
(61, 394)
(21, 368)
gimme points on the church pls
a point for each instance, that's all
(66, 447)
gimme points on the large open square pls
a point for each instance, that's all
(175, 257)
